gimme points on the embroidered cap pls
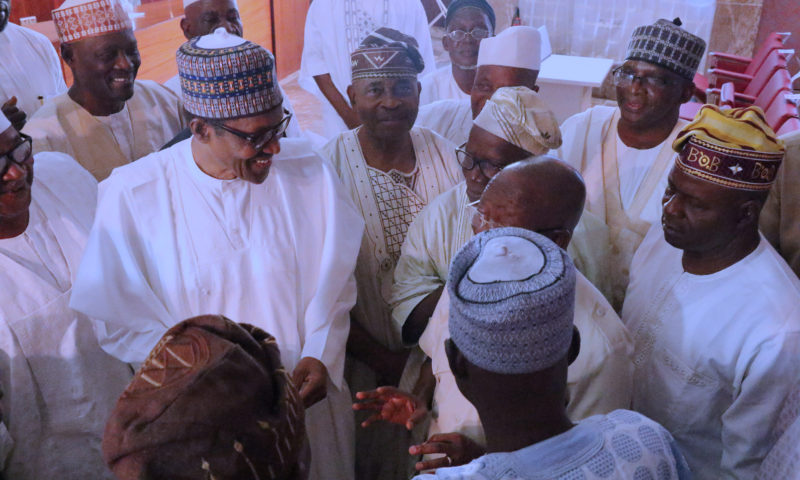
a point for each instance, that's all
(517, 47)
(667, 45)
(186, 3)
(224, 76)
(212, 400)
(734, 148)
(483, 5)
(387, 53)
(79, 19)
(512, 294)
(520, 116)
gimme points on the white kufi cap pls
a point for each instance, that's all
(518, 47)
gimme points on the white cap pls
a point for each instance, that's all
(518, 47)
(4, 122)
(506, 259)
(221, 38)
(186, 3)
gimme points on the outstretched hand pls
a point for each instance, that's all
(457, 449)
(391, 405)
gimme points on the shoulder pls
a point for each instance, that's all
(31, 35)
(597, 113)
(636, 427)
(154, 92)
(598, 323)
(64, 176)
(46, 112)
(431, 137)
(431, 221)
(147, 170)
(298, 162)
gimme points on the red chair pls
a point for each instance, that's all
(779, 83)
(790, 125)
(748, 66)
(779, 112)
(750, 84)
(727, 96)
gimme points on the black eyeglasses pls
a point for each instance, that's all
(468, 162)
(625, 78)
(476, 33)
(17, 155)
(260, 139)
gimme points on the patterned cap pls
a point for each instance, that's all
(224, 76)
(734, 148)
(520, 116)
(79, 19)
(186, 3)
(212, 400)
(479, 4)
(387, 53)
(512, 294)
(667, 45)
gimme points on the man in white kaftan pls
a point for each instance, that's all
(224, 224)
(389, 195)
(512, 58)
(58, 386)
(30, 70)
(624, 153)
(333, 30)
(107, 118)
(713, 310)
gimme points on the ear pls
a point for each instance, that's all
(447, 43)
(574, 346)
(688, 91)
(67, 53)
(186, 26)
(201, 130)
(419, 88)
(749, 212)
(351, 94)
(561, 238)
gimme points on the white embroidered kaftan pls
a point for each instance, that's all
(170, 242)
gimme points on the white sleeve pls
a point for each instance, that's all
(312, 60)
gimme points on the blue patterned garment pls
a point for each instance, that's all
(620, 445)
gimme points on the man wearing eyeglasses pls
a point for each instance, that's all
(467, 23)
(58, 385)
(107, 118)
(510, 59)
(234, 221)
(391, 170)
(624, 152)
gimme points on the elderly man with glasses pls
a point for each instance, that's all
(234, 221)
(624, 152)
(467, 23)
(58, 385)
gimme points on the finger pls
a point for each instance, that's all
(368, 394)
(299, 376)
(389, 390)
(416, 417)
(371, 420)
(373, 405)
(433, 464)
(429, 448)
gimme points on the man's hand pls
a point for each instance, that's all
(457, 449)
(311, 378)
(392, 405)
(17, 117)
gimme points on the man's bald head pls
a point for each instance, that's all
(542, 194)
(204, 16)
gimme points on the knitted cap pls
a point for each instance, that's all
(667, 45)
(387, 53)
(479, 4)
(512, 294)
(224, 76)
(79, 19)
(212, 400)
(521, 117)
(734, 148)
(516, 46)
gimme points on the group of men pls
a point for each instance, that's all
(416, 262)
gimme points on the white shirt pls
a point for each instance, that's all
(633, 165)
(440, 85)
(450, 118)
(30, 68)
(715, 355)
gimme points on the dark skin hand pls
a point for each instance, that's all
(17, 117)
(337, 101)
(391, 405)
(458, 450)
(311, 377)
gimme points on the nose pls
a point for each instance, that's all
(123, 62)
(390, 100)
(273, 147)
(476, 176)
(671, 205)
(14, 172)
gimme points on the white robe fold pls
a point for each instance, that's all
(331, 35)
(715, 355)
(58, 385)
(169, 242)
(440, 85)
(450, 118)
(30, 68)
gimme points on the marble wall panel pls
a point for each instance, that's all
(735, 26)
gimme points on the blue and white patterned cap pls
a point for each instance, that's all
(512, 294)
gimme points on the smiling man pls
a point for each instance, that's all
(624, 153)
(107, 118)
(467, 23)
(713, 309)
(391, 170)
(235, 221)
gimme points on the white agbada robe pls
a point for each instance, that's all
(59, 386)
(30, 68)
(608, 234)
(440, 85)
(387, 208)
(450, 118)
(170, 242)
(715, 355)
(335, 28)
(598, 381)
